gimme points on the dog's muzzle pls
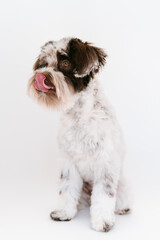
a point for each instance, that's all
(41, 83)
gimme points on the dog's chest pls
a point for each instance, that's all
(79, 142)
(79, 139)
(81, 136)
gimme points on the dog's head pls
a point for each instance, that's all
(63, 68)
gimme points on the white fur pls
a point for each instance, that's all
(92, 150)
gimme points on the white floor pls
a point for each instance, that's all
(28, 218)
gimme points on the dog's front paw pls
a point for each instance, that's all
(60, 216)
(103, 225)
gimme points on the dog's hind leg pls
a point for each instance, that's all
(123, 202)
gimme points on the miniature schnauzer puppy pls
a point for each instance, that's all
(90, 140)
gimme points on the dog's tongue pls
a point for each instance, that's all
(40, 84)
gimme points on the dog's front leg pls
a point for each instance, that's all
(69, 193)
(103, 201)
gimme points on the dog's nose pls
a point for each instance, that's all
(40, 77)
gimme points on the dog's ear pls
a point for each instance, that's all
(85, 58)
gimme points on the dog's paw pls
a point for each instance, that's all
(123, 211)
(102, 226)
(103, 223)
(60, 216)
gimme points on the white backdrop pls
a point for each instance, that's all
(129, 32)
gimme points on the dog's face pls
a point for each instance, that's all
(63, 68)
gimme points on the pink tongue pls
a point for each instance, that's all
(39, 83)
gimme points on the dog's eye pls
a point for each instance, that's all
(65, 64)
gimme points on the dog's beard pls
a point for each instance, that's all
(58, 97)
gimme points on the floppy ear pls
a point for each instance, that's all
(101, 55)
(85, 58)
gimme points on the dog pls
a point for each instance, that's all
(90, 140)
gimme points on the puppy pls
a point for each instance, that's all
(90, 140)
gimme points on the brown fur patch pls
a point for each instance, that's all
(111, 194)
(123, 211)
(85, 60)
(65, 176)
(83, 55)
(106, 227)
(40, 63)
(87, 188)
(108, 186)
